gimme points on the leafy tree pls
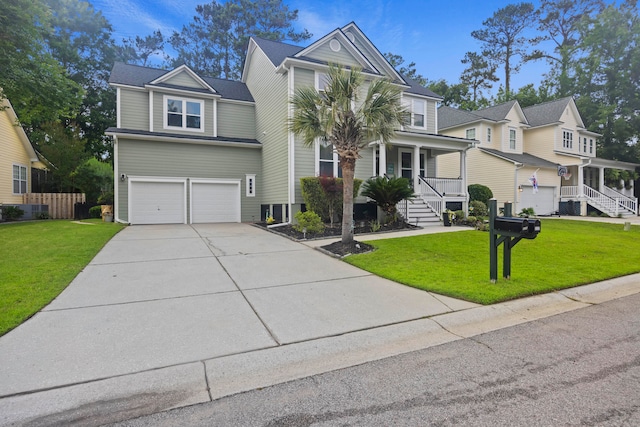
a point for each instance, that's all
(559, 21)
(342, 117)
(608, 79)
(94, 178)
(408, 70)
(502, 37)
(63, 151)
(480, 74)
(387, 193)
(214, 43)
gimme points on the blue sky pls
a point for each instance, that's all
(433, 34)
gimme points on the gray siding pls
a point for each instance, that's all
(269, 90)
(134, 112)
(304, 166)
(158, 118)
(343, 57)
(303, 78)
(183, 79)
(236, 120)
(169, 159)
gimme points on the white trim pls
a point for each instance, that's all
(116, 180)
(183, 140)
(27, 170)
(180, 69)
(130, 87)
(118, 108)
(235, 182)
(150, 111)
(215, 118)
(132, 179)
(233, 101)
(181, 92)
(184, 114)
(424, 113)
(292, 143)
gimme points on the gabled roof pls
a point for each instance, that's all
(523, 159)
(497, 112)
(547, 112)
(449, 117)
(276, 51)
(13, 118)
(417, 89)
(138, 76)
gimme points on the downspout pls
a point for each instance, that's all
(464, 174)
(116, 178)
(516, 202)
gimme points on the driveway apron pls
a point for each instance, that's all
(167, 295)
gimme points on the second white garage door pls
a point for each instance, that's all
(543, 202)
(215, 201)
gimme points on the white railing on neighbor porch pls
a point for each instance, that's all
(601, 201)
(430, 196)
(445, 186)
(628, 203)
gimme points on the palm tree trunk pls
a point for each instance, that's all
(348, 171)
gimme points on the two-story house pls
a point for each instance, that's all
(190, 149)
(548, 142)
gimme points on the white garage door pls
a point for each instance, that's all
(543, 202)
(157, 202)
(215, 201)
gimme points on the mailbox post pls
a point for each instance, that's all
(508, 230)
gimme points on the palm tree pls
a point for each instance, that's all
(387, 193)
(336, 116)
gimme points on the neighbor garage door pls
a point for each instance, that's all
(157, 201)
(215, 201)
(543, 202)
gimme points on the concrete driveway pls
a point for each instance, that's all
(170, 295)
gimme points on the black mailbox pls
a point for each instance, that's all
(517, 227)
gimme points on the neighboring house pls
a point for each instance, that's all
(17, 157)
(548, 141)
(190, 149)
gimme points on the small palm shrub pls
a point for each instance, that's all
(310, 221)
(387, 193)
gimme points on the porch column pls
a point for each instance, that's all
(580, 181)
(463, 177)
(382, 165)
(416, 168)
(601, 179)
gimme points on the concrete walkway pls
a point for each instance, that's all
(169, 316)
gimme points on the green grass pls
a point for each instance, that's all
(565, 254)
(39, 259)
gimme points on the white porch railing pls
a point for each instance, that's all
(626, 202)
(431, 197)
(610, 205)
(445, 186)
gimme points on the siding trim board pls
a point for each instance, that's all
(187, 139)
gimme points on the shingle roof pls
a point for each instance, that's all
(525, 158)
(449, 117)
(136, 75)
(497, 112)
(276, 51)
(547, 112)
(418, 89)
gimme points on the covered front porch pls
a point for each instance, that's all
(586, 183)
(414, 156)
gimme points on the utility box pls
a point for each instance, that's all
(517, 227)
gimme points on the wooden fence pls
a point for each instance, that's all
(60, 204)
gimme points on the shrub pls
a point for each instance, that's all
(95, 212)
(459, 217)
(43, 215)
(317, 200)
(480, 192)
(526, 212)
(387, 192)
(11, 213)
(478, 208)
(309, 220)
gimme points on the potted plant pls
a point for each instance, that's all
(448, 216)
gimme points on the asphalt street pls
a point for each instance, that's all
(580, 368)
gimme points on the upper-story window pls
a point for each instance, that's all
(567, 139)
(328, 161)
(590, 146)
(185, 114)
(488, 135)
(418, 113)
(321, 81)
(19, 179)
(584, 145)
(512, 139)
(471, 133)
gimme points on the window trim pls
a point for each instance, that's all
(567, 139)
(165, 113)
(424, 113)
(515, 138)
(335, 161)
(468, 131)
(19, 179)
(488, 135)
(317, 78)
(250, 185)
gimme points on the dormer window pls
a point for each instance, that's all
(471, 133)
(512, 139)
(488, 134)
(418, 110)
(183, 114)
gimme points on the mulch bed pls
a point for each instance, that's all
(338, 248)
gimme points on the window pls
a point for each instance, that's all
(584, 145)
(185, 114)
(418, 109)
(471, 133)
(488, 134)
(590, 146)
(328, 162)
(321, 81)
(567, 139)
(19, 179)
(512, 139)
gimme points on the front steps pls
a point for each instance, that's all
(420, 214)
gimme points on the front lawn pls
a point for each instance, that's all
(39, 259)
(565, 254)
